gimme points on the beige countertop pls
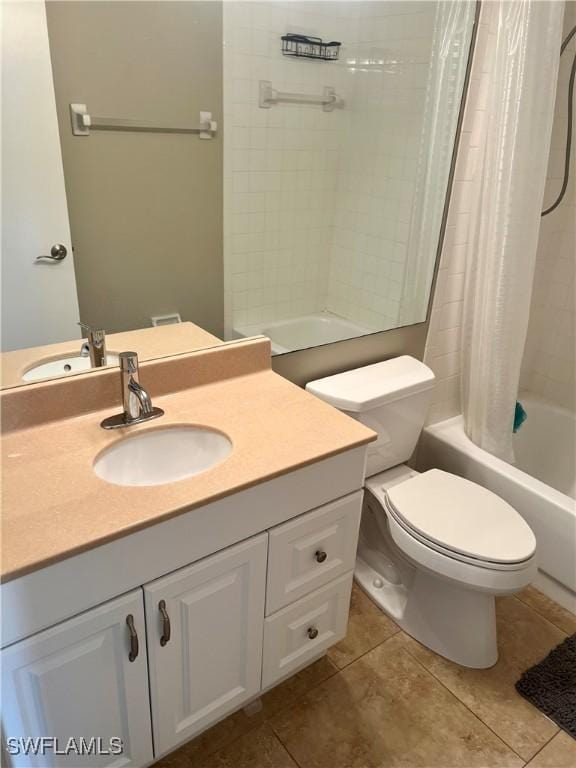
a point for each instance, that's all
(149, 343)
(54, 506)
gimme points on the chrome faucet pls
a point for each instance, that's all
(95, 346)
(135, 399)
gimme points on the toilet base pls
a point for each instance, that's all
(457, 623)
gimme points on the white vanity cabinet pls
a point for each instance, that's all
(204, 625)
(226, 600)
(84, 678)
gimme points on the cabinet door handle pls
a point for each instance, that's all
(133, 638)
(320, 555)
(312, 633)
(165, 623)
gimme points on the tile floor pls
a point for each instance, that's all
(380, 699)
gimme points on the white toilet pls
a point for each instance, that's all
(434, 548)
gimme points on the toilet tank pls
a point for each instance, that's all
(392, 398)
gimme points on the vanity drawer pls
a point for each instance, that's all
(311, 550)
(300, 632)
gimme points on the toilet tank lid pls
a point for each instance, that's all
(362, 389)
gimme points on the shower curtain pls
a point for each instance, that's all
(522, 58)
(447, 72)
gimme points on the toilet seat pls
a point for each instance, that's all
(461, 519)
(397, 525)
(498, 577)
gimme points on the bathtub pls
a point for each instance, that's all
(540, 485)
(305, 331)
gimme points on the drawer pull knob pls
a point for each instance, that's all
(312, 633)
(133, 638)
(165, 623)
(320, 555)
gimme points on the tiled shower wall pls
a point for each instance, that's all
(548, 367)
(317, 204)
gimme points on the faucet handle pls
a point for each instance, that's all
(96, 335)
(129, 362)
(90, 328)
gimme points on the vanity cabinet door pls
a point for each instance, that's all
(204, 626)
(76, 681)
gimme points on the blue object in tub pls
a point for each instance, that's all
(520, 416)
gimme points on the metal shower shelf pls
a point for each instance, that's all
(269, 96)
(306, 47)
(83, 123)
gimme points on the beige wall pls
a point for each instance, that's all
(145, 209)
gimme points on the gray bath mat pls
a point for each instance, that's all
(551, 685)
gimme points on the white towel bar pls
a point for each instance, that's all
(83, 123)
(269, 96)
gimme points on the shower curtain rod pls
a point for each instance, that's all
(564, 187)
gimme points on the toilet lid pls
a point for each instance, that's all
(463, 517)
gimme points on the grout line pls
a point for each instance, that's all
(545, 745)
(279, 740)
(357, 658)
(542, 616)
(288, 704)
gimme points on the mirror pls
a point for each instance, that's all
(194, 172)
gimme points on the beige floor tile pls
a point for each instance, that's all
(384, 710)
(546, 607)
(558, 753)
(258, 749)
(367, 627)
(524, 638)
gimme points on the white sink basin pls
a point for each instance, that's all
(62, 366)
(160, 456)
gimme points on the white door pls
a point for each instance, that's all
(39, 300)
(76, 681)
(209, 660)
